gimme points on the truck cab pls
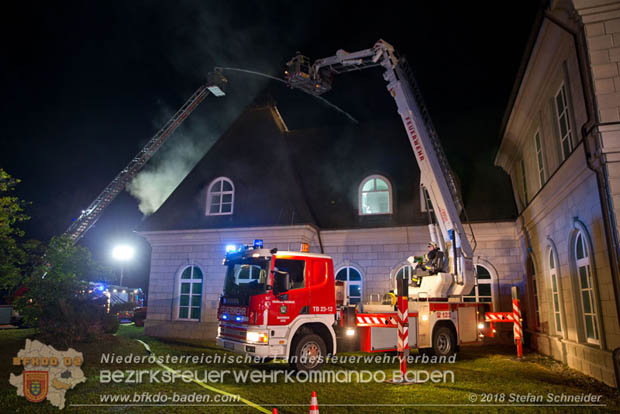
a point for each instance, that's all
(278, 304)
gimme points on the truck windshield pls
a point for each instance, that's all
(245, 278)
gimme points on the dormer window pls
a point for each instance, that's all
(220, 197)
(375, 196)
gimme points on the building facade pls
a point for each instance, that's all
(558, 148)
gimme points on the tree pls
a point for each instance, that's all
(55, 297)
(12, 256)
(46, 283)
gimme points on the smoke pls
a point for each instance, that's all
(199, 37)
(154, 184)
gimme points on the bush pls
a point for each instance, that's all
(75, 320)
(110, 323)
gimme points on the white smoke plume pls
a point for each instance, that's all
(154, 184)
(206, 35)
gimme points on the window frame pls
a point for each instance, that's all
(556, 291)
(191, 282)
(562, 90)
(221, 193)
(349, 282)
(360, 195)
(586, 263)
(476, 290)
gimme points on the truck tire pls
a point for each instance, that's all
(309, 353)
(444, 343)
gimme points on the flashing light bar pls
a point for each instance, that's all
(225, 317)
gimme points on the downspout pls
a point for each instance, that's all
(318, 235)
(596, 163)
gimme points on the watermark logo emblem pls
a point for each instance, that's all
(35, 385)
(48, 373)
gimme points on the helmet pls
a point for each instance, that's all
(432, 245)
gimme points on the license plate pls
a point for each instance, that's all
(229, 345)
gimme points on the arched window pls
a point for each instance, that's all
(555, 291)
(482, 290)
(190, 293)
(533, 286)
(375, 196)
(353, 278)
(586, 288)
(220, 197)
(405, 271)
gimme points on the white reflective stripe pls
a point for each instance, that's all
(375, 320)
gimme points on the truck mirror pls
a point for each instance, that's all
(280, 282)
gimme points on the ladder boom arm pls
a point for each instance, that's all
(216, 85)
(436, 175)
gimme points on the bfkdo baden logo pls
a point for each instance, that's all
(48, 373)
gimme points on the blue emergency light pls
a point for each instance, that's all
(225, 317)
(231, 248)
(258, 244)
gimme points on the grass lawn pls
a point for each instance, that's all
(478, 370)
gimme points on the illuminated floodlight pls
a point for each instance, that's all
(123, 252)
(350, 332)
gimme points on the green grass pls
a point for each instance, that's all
(491, 369)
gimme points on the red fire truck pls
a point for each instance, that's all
(287, 304)
(283, 304)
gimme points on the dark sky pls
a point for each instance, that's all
(86, 84)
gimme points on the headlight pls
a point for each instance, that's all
(480, 325)
(256, 337)
(350, 332)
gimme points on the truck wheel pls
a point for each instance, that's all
(443, 342)
(309, 353)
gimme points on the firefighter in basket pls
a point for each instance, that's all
(429, 264)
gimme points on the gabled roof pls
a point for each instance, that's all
(312, 176)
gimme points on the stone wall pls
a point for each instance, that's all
(376, 253)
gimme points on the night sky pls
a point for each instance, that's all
(86, 84)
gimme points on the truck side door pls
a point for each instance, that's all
(286, 306)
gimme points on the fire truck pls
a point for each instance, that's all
(285, 304)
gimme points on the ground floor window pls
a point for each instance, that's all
(190, 293)
(555, 292)
(586, 289)
(481, 291)
(353, 277)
